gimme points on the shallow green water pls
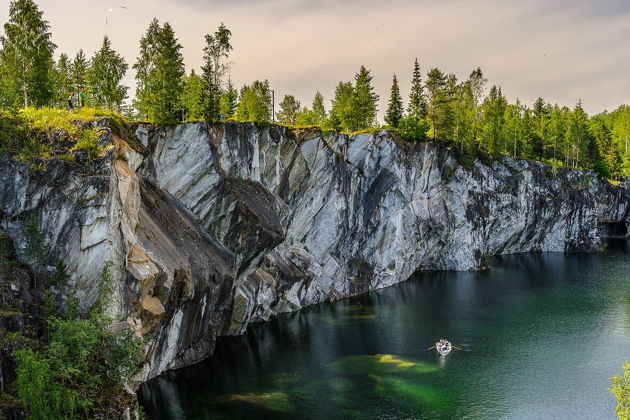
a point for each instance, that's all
(541, 335)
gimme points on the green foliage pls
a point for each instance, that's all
(229, 101)
(395, 108)
(62, 82)
(621, 390)
(26, 57)
(106, 291)
(215, 52)
(159, 75)
(492, 124)
(417, 102)
(60, 275)
(438, 101)
(314, 117)
(35, 249)
(255, 102)
(289, 108)
(66, 377)
(366, 100)
(413, 128)
(318, 109)
(7, 263)
(343, 113)
(79, 71)
(103, 78)
(192, 97)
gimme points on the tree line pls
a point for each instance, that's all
(477, 121)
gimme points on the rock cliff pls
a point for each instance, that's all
(213, 227)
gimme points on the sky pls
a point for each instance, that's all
(562, 50)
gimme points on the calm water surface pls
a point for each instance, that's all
(541, 335)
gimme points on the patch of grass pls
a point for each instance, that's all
(32, 134)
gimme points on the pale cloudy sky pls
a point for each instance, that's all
(562, 50)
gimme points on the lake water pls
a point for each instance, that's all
(541, 336)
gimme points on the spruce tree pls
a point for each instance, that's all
(62, 81)
(437, 98)
(319, 111)
(80, 66)
(26, 56)
(104, 76)
(229, 101)
(343, 115)
(216, 51)
(289, 108)
(192, 97)
(159, 75)
(611, 158)
(395, 108)
(494, 111)
(417, 101)
(366, 100)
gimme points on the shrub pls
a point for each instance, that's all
(621, 390)
(66, 378)
(413, 128)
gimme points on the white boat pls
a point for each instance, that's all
(444, 347)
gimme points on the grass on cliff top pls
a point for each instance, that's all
(29, 134)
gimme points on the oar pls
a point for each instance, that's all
(455, 347)
(431, 348)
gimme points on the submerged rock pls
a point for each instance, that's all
(213, 227)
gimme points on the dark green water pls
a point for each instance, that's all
(541, 335)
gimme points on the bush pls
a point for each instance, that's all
(66, 378)
(413, 128)
(621, 390)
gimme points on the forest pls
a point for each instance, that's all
(475, 119)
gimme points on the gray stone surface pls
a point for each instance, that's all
(211, 228)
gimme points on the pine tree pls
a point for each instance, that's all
(80, 66)
(216, 50)
(417, 102)
(159, 75)
(366, 100)
(289, 108)
(62, 81)
(104, 76)
(229, 101)
(192, 97)
(26, 56)
(395, 108)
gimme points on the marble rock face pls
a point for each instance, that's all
(212, 227)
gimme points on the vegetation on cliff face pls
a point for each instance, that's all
(34, 135)
(68, 365)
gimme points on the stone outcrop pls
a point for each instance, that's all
(213, 227)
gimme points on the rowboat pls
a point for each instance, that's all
(444, 347)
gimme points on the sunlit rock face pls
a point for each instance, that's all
(212, 227)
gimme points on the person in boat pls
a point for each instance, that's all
(444, 344)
